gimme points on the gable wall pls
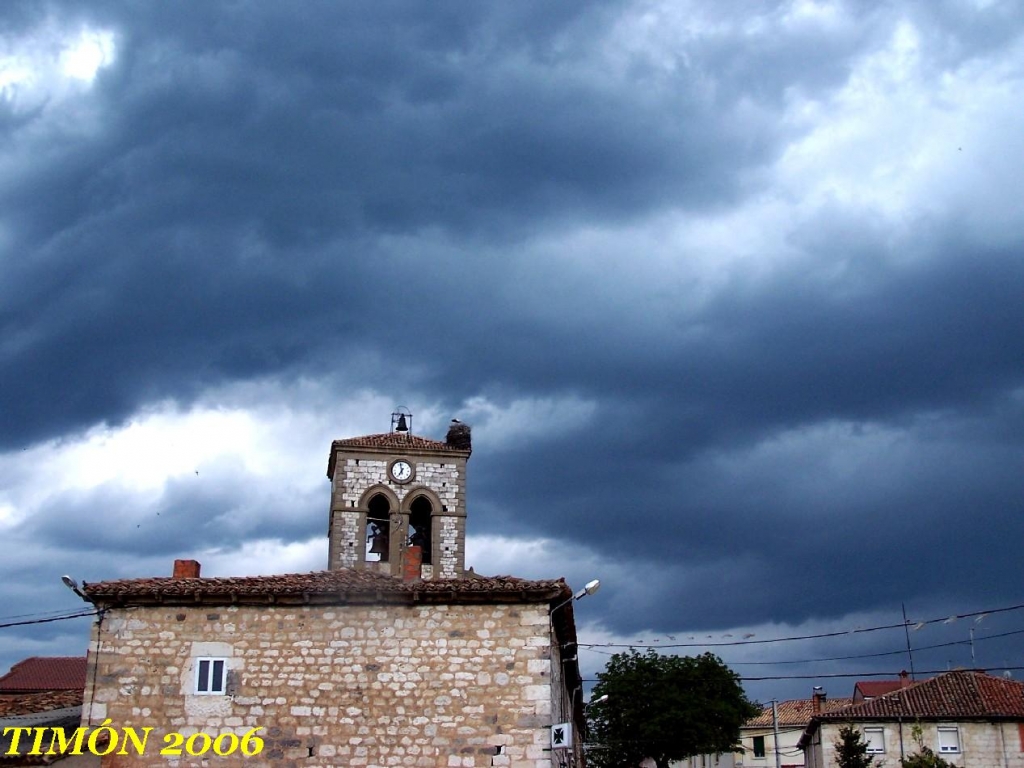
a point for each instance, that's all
(439, 685)
(983, 744)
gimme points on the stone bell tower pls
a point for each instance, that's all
(398, 502)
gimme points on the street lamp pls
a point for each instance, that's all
(73, 586)
(590, 588)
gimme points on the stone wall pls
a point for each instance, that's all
(982, 744)
(352, 476)
(434, 685)
(357, 472)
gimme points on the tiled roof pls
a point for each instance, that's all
(391, 441)
(795, 712)
(872, 688)
(47, 701)
(957, 695)
(65, 719)
(45, 673)
(340, 586)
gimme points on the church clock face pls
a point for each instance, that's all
(401, 471)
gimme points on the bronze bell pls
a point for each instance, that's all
(379, 543)
(401, 426)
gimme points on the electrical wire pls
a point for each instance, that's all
(47, 621)
(901, 651)
(820, 635)
(890, 673)
(34, 614)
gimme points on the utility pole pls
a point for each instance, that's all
(906, 631)
(775, 731)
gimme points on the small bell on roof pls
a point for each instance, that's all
(401, 420)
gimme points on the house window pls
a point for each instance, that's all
(949, 738)
(210, 677)
(759, 746)
(875, 738)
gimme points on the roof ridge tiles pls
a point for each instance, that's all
(959, 693)
(344, 581)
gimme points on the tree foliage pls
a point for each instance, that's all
(851, 749)
(666, 708)
(925, 758)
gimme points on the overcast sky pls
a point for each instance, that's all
(731, 291)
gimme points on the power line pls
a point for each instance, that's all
(839, 633)
(876, 655)
(836, 675)
(35, 614)
(49, 620)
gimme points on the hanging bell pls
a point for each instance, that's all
(379, 545)
(401, 426)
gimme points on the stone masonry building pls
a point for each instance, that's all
(394, 656)
(969, 718)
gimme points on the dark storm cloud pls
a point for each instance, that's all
(372, 195)
(242, 161)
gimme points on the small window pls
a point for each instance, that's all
(759, 746)
(875, 738)
(949, 739)
(210, 677)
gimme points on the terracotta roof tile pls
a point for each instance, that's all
(339, 586)
(46, 701)
(393, 440)
(45, 673)
(795, 712)
(64, 719)
(957, 695)
(873, 688)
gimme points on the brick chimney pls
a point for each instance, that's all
(818, 700)
(904, 679)
(186, 569)
(411, 563)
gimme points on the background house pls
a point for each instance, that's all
(758, 735)
(42, 691)
(972, 718)
(40, 674)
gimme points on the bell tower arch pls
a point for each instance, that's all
(396, 491)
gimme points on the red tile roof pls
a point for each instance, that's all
(391, 442)
(957, 695)
(872, 688)
(27, 703)
(795, 712)
(340, 586)
(45, 673)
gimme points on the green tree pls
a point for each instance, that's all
(851, 749)
(666, 708)
(925, 758)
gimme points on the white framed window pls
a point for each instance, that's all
(949, 738)
(211, 676)
(875, 738)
